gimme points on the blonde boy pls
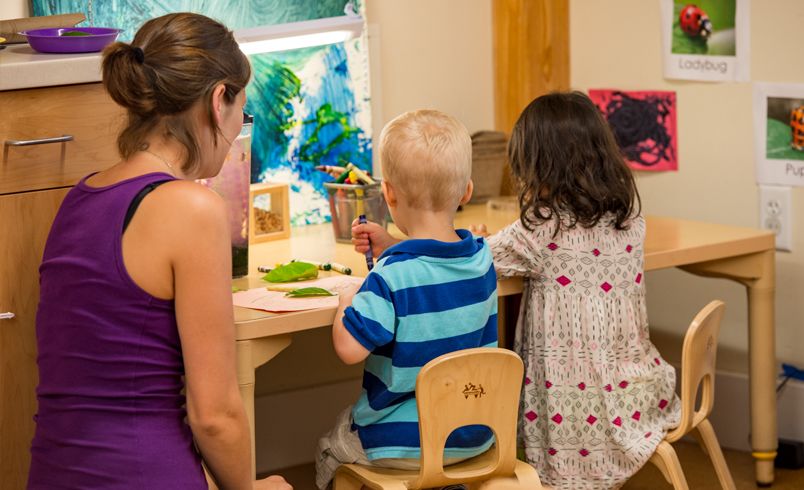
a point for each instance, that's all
(434, 293)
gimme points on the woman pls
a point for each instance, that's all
(135, 291)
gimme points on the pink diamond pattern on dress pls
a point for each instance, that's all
(605, 287)
(591, 419)
(636, 415)
(657, 361)
(557, 418)
(552, 451)
(607, 387)
(583, 452)
(618, 422)
(596, 252)
(563, 280)
(623, 384)
(648, 434)
(552, 246)
(662, 404)
(581, 386)
(548, 384)
(639, 278)
(531, 416)
(527, 381)
(629, 248)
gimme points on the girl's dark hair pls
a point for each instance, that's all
(568, 166)
(173, 62)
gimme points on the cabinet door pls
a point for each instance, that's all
(25, 219)
(84, 112)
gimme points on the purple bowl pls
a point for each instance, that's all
(53, 41)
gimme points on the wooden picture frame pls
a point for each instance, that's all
(269, 212)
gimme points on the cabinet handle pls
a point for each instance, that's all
(42, 141)
(7, 316)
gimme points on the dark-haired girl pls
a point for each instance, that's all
(136, 307)
(597, 397)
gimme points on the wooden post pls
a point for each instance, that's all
(531, 57)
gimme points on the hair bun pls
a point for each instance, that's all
(125, 79)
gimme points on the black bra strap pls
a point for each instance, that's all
(135, 203)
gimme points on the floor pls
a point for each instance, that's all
(700, 474)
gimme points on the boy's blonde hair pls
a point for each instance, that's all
(427, 156)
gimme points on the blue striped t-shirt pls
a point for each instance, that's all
(424, 298)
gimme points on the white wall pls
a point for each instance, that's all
(14, 9)
(434, 54)
(617, 44)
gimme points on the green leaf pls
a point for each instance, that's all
(294, 271)
(236, 289)
(307, 292)
(74, 33)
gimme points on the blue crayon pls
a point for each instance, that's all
(369, 258)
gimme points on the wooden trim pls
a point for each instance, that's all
(531, 57)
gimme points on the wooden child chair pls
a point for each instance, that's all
(467, 387)
(697, 367)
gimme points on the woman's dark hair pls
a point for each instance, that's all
(173, 62)
(568, 166)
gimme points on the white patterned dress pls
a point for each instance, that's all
(597, 397)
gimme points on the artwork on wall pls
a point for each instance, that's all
(779, 133)
(644, 124)
(706, 40)
(311, 106)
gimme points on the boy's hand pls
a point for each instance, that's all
(370, 231)
(346, 294)
(479, 230)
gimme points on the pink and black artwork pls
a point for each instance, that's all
(644, 124)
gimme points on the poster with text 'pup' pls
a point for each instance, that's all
(706, 40)
(779, 133)
(644, 125)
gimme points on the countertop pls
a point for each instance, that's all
(22, 67)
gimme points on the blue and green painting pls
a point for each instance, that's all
(311, 106)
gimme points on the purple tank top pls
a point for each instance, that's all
(111, 413)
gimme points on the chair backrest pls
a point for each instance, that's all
(468, 387)
(698, 367)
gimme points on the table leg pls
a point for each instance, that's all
(757, 272)
(252, 354)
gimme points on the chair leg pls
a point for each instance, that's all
(709, 441)
(666, 460)
(344, 481)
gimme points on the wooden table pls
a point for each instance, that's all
(744, 255)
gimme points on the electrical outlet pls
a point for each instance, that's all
(776, 214)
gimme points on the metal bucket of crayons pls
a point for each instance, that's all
(352, 197)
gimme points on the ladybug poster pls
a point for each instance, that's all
(644, 124)
(779, 133)
(706, 40)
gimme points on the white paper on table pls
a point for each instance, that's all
(262, 299)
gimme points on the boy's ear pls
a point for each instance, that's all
(388, 192)
(468, 194)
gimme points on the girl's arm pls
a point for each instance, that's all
(516, 251)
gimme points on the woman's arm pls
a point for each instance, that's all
(201, 260)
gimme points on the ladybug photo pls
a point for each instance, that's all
(704, 27)
(785, 127)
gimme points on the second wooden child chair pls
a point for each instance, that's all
(697, 368)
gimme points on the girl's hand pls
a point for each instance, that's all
(479, 230)
(273, 482)
(370, 231)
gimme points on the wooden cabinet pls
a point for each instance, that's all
(33, 181)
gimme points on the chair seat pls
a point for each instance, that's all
(383, 478)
